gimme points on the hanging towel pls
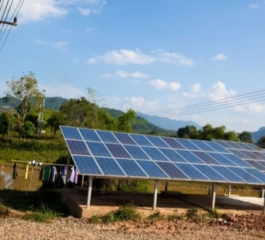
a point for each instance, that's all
(47, 173)
(27, 172)
(76, 176)
(15, 171)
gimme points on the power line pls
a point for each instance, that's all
(239, 100)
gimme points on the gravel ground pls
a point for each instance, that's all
(72, 228)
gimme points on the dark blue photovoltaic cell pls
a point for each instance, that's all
(258, 155)
(131, 168)
(86, 165)
(262, 163)
(250, 147)
(238, 153)
(89, 135)
(206, 158)
(257, 174)
(136, 152)
(157, 141)
(155, 154)
(210, 173)
(172, 171)
(222, 159)
(192, 172)
(189, 156)
(117, 150)
(107, 137)
(203, 146)
(141, 140)
(77, 147)
(244, 175)
(217, 147)
(172, 155)
(237, 160)
(70, 133)
(250, 155)
(256, 164)
(124, 138)
(152, 169)
(188, 144)
(98, 149)
(235, 145)
(223, 144)
(229, 175)
(172, 143)
(109, 166)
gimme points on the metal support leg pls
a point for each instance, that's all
(229, 190)
(89, 192)
(155, 194)
(166, 186)
(213, 196)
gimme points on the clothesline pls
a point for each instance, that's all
(49, 164)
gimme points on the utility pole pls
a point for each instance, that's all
(14, 23)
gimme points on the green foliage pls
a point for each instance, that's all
(214, 213)
(124, 213)
(155, 216)
(193, 215)
(125, 121)
(245, 137)
(27, 130)
(133, 186)
(261, 142)
(188, 132)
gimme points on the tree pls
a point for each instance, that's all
(6, 123)
(245, 137)
(55, 121)
(27, 130)
(231, 136)
(26, 91)
(189, 131)
(125, 121)
(261, 142)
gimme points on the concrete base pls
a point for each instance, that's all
(105, 202)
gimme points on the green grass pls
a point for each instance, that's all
(41, 206)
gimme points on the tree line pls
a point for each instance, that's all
(29, 117)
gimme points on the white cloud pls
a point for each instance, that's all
(92, 61)
(41, 42)
(37, 10)
(136, 74)
(194, 91)
(254, 6)
(219, 57)
(173, 58)
(85, 11)
(160, 84)
(123, 56)
(64, 90)
(174, 86)
(61, 46)
(218, 91)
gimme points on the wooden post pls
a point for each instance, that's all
(166, 186)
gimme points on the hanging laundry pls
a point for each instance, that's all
(76, 176)
(63, 172)
(47, 173)
(53, 174)
(72, 175)
(15, 171)
(27, 172)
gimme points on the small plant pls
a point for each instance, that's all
(124, 213)
(214, 213)
(155, 216)
(193, 215)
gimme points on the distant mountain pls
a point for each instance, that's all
(54, 102)
(167, 123)
(258, 134)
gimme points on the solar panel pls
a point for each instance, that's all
(136, 156)
(77, 147)
(89, 135)
(71, 133)
(192, 172)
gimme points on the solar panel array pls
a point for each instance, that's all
(112, 154)
(252, 154)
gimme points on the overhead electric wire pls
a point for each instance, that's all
(15, 13)
(2, 34)
(239, 100)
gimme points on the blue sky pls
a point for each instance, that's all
(152, 56)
